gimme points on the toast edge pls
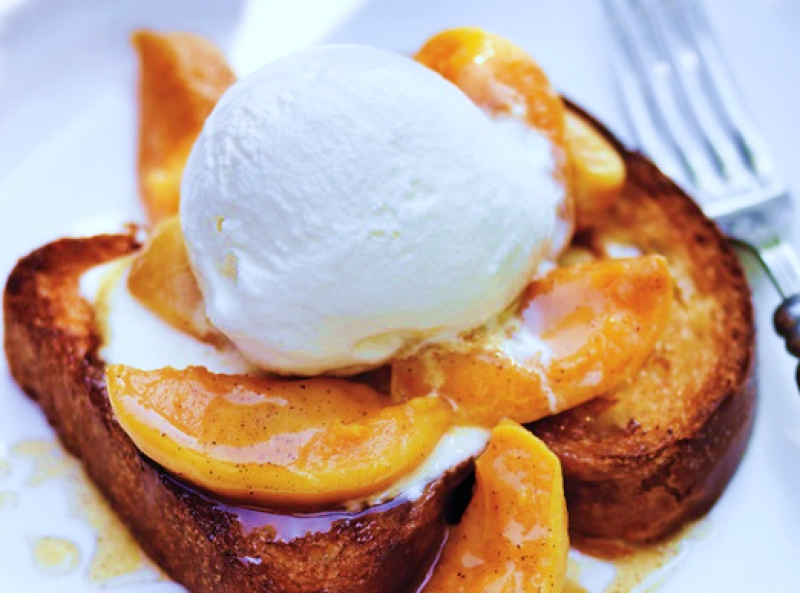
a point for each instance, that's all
(51, 349)
(648, 496)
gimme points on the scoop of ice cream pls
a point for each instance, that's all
(344, 204)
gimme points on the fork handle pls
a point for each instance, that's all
(787, 324)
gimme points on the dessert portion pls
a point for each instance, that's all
(52, 343)
(344, 204)
(428, 246)
(270, 223)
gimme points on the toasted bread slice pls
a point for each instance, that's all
(641, 461)
(637, 462)
(51, 347)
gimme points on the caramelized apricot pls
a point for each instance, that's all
(599, 171)
(513, 536)
(585, 330)
(181, 78)
(161, 278)
(504, 81)
(268, 441)
(498, 76)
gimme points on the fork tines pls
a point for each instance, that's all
(684, 107)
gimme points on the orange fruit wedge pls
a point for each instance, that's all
(513, 536)
(585, 330)
(274, 442)
(161, 279)
(505, 81)
(498, 76)
(181, 78)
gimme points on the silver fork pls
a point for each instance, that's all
(690, 119)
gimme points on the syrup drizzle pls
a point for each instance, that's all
(55, 556)
(279, 526)
(641, 568)
(650, 567)
(117, 557)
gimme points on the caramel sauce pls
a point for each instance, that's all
(285, 527)
(8, 500)
(619, 569)
(116, 554)
(49, 462)
(279, 527)
(55, 556)
(650, 567)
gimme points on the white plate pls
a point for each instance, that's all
(67, 140)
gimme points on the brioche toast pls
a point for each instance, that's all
(643, 460)
(51, 345)
(637, 462)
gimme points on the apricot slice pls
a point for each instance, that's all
(599, 171)
(498, 76)
(181, 78)
(504, 80)
(161, 279)
(513, 536)
(274, 442)
(584, 330)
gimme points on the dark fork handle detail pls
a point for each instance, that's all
(787, 324)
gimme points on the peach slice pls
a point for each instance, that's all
(599, 171)
(162, 280)
(274, 442)
(498, 76)
(504, 80)
(585, 330)
(181, 78)
(513, 536)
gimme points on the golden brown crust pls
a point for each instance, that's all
(52, 353)
(637, 463)
(640, 462)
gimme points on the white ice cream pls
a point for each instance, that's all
(134, 336)
(345, 203)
